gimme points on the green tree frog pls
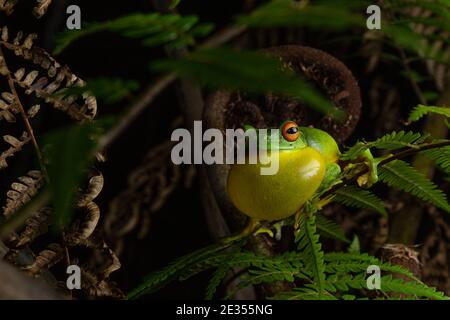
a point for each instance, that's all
(307, 161)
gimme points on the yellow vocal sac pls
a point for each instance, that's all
(278, 196)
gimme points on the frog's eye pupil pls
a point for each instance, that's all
(290, 131)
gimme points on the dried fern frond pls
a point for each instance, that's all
(46, 259)
(39, 10)
(7, 6)
(22, 191)
(8, 106)
(105, 260)
(16, 145)
(83, 228)
(99, 288)
(56, 77)
(34, 227)
(93, 190)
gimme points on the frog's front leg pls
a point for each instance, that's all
(370, 178)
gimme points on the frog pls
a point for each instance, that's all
(308, 162)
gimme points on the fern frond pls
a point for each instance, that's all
(244, 259)
(330, 229)
(158, 279)
(16, 145)
(355, 267)
(213, 257)
(358, 198)
(311, 248)
(215, 281)
(47, 258)
(345, 282)
(344, 256)
(270, 275)
(109, 90)
(22, 191)
(53, 77)
(414, 289)
(440, 8)
(154, 29)
(303, 293)
(250, 71)
(39, 10)
(441, 157)
(284, 13)
(418, 112)
(391, 141)
(340, 261)
(401, 175)
(34, 227)
(354, 246)
(355, 151)
(396, 140)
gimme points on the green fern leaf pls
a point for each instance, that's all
(217, 278)
(358, 198)
(309, 244)
(355, 151)
(160, 278)
(415, 289)
(251, 71)
(396, 140)
(344, 262)
(255, 277)
(418, 112)
(304, 293)
(285, 13)
(355, 246)
(441, 156)
(400, 175)
(391, 141)
(330, 229)
(108, 90)
(154, 29)
(238, 259)
(345, 282)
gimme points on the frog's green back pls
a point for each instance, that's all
(322, 142)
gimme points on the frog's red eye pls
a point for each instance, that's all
(290, 131)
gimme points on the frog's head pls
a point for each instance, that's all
(288, 137)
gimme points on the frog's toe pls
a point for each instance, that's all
(363, 181)
(367, 180)
(264, 230)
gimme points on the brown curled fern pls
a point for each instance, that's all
(31, 72)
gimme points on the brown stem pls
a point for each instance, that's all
(24, 115)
